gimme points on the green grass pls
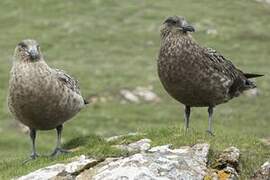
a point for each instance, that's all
(110, 45)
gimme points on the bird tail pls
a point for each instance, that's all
(250, 75)
(249, 84)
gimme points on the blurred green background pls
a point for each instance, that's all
(111, 45)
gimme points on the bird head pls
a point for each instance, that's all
(176, 24)
(28, 50)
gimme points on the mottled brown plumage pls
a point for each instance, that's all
(41, 97)
(194, 75)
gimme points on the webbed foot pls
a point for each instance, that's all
(59, 151)
(32, 157)
(210, 133)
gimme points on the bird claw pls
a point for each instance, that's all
(59, 151)
(210, 133)
(33, 156)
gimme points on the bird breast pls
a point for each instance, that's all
(186, 76)
(38, 99)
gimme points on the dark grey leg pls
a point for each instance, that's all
(187, 115)
(210, 118)
(34, 154)
(58, 150)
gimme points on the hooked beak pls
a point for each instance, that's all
(33, 53)
(188, 27)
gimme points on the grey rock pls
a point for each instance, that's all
(141, 145)
(265, 141)
(211, 31)
(129, 96)
(226, 165)
(264, 1)
(45, 173)
(232, 173)
(229, 158)
(115, 138)
(263, 173)
(232, 154)
(88, 174)
(159, 163)
(162, 148)
(65, 170)
(146, 93)
(139, 94)
(21, 127)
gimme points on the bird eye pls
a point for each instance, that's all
(170, 21)
(22, 45)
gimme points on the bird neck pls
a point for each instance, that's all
(32, 66)
(26, 60)
(174, 42)
(175, 33)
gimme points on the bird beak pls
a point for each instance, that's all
(33, 52)
(188, 27)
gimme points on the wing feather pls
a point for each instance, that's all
(226, 67)
(223, 65)
(68, 81)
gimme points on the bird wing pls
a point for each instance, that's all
(225, 67)
(222, 65)
(67, 80)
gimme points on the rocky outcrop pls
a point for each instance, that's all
(141, 145)
(160, 162)
(264, 1)
(226, 166)
(139, 94)
(265, 141)
(66, 171)
(263, 173)
(116, 138)
(151, 163)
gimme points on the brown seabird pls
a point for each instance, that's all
(194, 75)
(41, 97)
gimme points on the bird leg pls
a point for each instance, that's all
(34, 154)
(58, 150)
(187, 115)
(210, 118)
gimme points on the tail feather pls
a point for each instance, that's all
(250, 75)
(249, 84)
